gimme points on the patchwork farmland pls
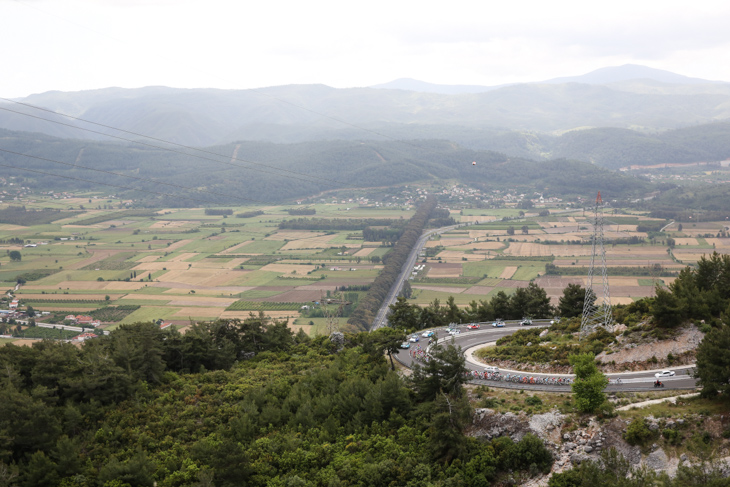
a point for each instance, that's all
(183, 265)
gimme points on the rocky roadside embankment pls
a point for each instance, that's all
(572, 444)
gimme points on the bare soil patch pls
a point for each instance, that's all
(175, 286)
(440, 289)
(508, 283)
(158, 266)
(456, 256)
(480, 246)
(274, 315)
(172, 223)
(718, 242)
(176, 245)
(508, 272)
(364, 252)
(199, 312)
(557, 282)
(531, 249)
(320, 242)
(444, 270)
(123, 285)
(480, 290)
(149, 258)
(202, 277)
(477, 218)
(203, 301)
(686, 341)
(298, 269)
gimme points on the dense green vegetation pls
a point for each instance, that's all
(701, 293)
(654, 271)
(616, 147)
(531, 301)
(526, 346)
(249, 214)
(51, 333)
(107, 314)
(692, 204)
(18, 215)
(241, 403)
(114, 215)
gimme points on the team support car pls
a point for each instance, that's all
(427, 334)
(405, 345)
(498, 324)
(525, 322)
(664, 373)
(454, 331)
(473, 326)
(414, 338)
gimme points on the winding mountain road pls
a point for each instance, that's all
(470, 340)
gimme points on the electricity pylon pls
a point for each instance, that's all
(597, 303)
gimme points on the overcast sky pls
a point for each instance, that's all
(71, 45)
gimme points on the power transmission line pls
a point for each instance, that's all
(151, 180)
(314, 178)
(116, 185)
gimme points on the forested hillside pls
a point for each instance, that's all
(615, 148)
(306, 169)
(147, 407)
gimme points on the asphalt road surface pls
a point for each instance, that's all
(466, 339)
(382, 316)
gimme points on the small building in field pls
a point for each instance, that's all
(85, 336)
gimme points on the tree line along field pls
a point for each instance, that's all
(183, 265)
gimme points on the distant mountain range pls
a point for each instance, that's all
(611, 107)
(602, 76)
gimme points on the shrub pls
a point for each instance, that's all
(672, 436)
(527, 452)
(638, 432)
(533, 401)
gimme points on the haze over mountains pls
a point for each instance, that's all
(613, 117)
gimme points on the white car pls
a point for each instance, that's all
(454, 332)
(664, 373)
